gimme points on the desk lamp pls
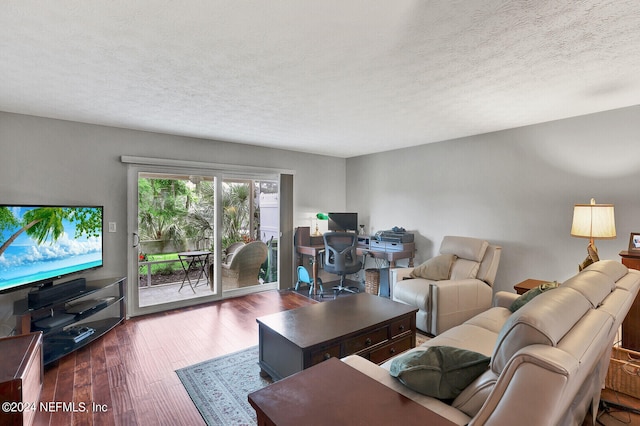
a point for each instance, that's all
(320, 216)
(593, 221)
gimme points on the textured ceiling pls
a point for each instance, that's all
(336, 77)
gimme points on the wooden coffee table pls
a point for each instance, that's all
(370, 326)
(334, 393)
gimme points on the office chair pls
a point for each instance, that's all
(340, 258)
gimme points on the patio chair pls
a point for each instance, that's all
(244, 267)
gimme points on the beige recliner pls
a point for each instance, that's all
(450, 288)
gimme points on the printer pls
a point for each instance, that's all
(394, 235)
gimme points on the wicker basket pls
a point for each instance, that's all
(624, 372)
(372, 281)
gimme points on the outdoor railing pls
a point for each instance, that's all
(149, 263)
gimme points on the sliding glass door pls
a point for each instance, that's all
(199, 236)
(250, 228)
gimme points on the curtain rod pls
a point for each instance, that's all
(152, 161)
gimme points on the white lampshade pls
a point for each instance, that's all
(593, 221)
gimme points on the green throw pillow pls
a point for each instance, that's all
(441, 371)
(435, 269)
(529, 295)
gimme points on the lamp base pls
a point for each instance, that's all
(592, 257)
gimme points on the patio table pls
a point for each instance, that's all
(190, 259)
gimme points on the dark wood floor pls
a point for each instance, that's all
(615, 417)
(131, 370)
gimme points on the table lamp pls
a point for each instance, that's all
(593, 221)
(320, 216)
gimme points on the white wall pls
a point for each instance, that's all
(515, 188)
(54, 161)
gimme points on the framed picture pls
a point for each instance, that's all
(634, 242)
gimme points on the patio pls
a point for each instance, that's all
(162, 293)
(156, 289)
(162, 280)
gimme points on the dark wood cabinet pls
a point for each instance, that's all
(631, 324)
(528, 284)
(21, 374)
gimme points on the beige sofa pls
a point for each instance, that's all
(462, 292)
(548, 359)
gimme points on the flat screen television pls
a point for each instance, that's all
(343, 222)
(39, 244)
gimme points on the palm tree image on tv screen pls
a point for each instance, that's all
(40, 243)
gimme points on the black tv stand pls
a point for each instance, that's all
(50, 294)
(99, 306)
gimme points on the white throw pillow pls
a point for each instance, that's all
(435, 269)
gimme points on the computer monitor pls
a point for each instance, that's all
(343, 221)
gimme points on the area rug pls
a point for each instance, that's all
(219, 387)
(421, 338)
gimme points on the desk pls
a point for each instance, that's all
(389, 256)
(314, 245)
(199, 259)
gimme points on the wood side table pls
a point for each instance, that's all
(334, 393)
(528, 284)
(631, 324)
